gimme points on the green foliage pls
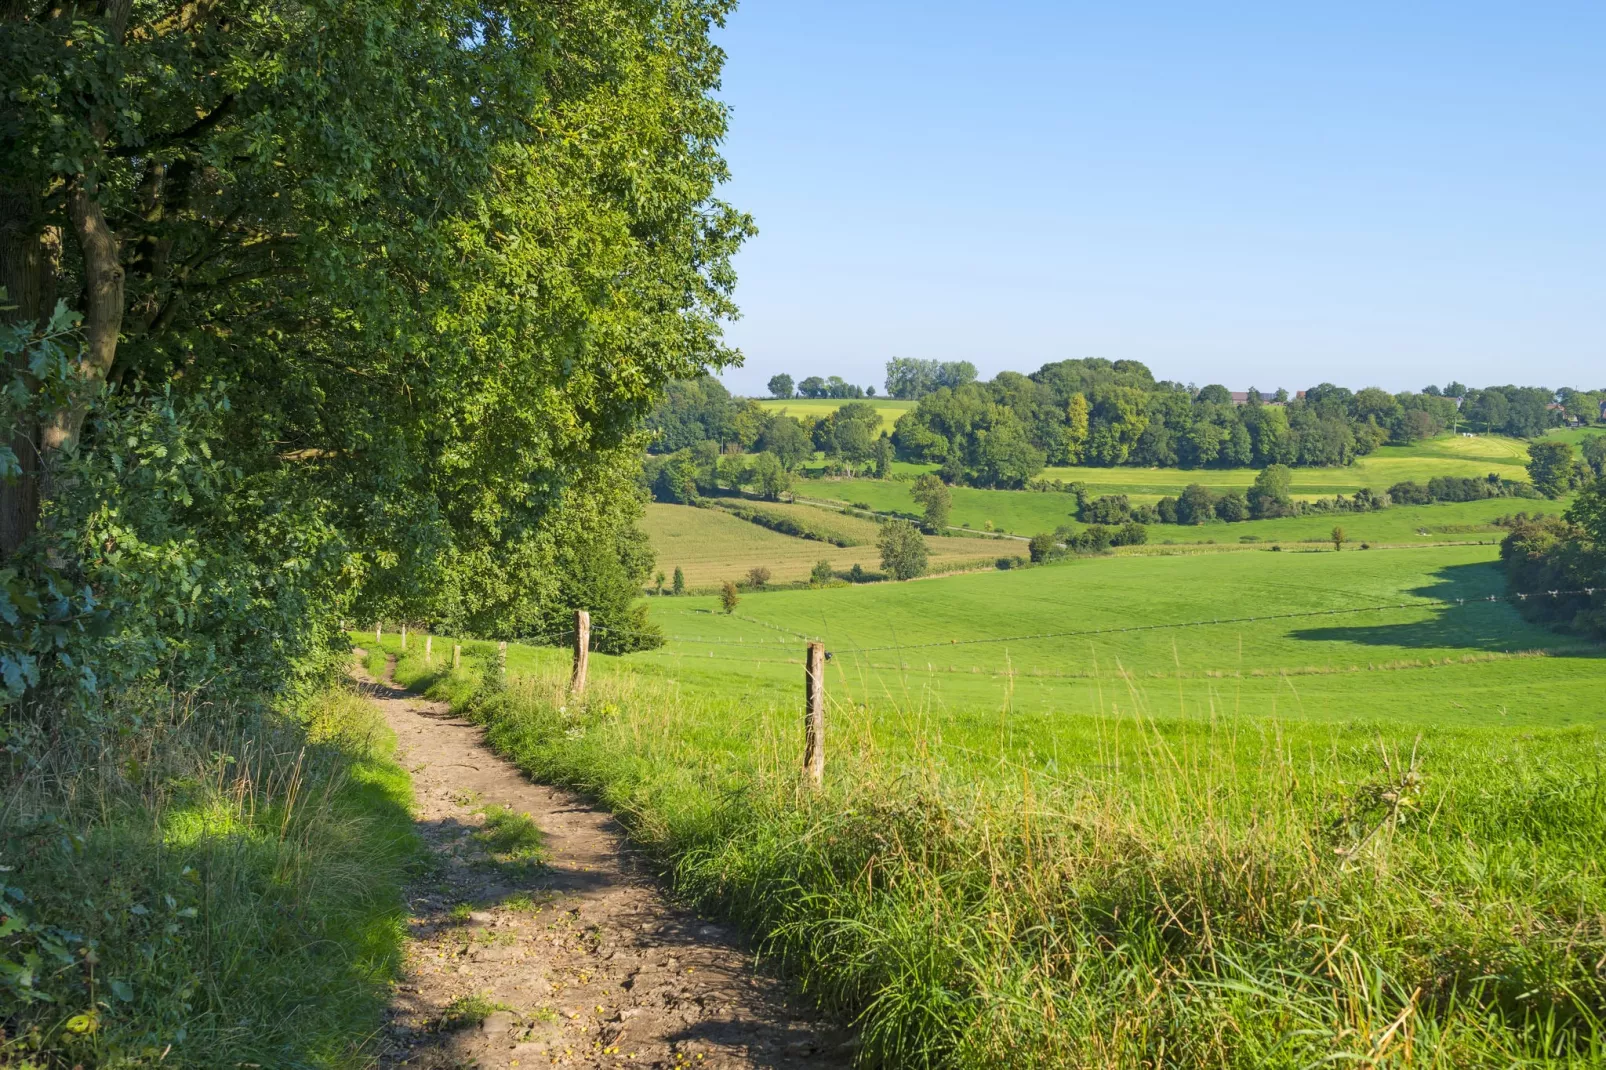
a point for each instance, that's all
(1551, 467)
(821, 574)
(1270, 496)
(384, 338)
(933, 495)
(729, 598)
(883, 456)
(1196, 505)
(1593, 449)
(1566, 555)
(680, 581)
(1097, 413)
(908, 378)
(903, 550)
(780, 386)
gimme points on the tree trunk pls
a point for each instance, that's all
(102, 324)
(30, 261)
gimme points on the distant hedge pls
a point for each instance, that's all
(787, 524)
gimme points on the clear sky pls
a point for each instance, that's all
(1253, 194)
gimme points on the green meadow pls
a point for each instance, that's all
(914, 644)
(1028, 513)
(1231, 799)
(1025, 513)
(1364, 826)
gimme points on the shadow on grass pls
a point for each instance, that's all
(1478, 626)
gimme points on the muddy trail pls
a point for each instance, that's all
(536, 938)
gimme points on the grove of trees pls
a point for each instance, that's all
(1095, 412)
(339, 311)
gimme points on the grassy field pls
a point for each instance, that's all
(1425, 665)
(1446, 456)
(711, 545)
(1366, 837)
(889, 408)
(1576, 435)
(1028, 512)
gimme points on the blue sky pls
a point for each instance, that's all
(1252, 194)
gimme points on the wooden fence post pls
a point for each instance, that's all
(429, 643)
(379, 630)
(404, 637)
(814, 716)
(457, 655)
(501, 658)
(582, 650)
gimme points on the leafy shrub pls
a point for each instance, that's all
(1109, 509)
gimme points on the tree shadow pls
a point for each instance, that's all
(1469, 622)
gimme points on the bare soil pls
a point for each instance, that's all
(575, 958)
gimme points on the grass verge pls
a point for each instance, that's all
(204, 886)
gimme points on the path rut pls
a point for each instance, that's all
(575, 960)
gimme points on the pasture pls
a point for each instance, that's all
(913, 645)
(1027, 513)
(1448, 455)
(1259, 843)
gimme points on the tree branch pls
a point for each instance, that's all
(189, 133)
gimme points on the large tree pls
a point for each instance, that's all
(426, 265)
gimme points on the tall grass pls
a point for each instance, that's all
(1128, 891)
(204, 886)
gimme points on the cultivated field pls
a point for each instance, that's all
(711, 545)
(1444, 456)
(889, 408)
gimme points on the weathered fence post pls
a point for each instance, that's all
(501, 659)
(429, 643)
(379, 631)
(582, 650)
(814, 716)
(457, 655)
(404, 637)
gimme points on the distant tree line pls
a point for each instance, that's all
(1096, 412)
(705, 441)
(910, 379)
(834, 386)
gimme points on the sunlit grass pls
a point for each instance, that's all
(1132, 887)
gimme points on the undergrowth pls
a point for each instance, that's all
(1188, 893)
(204, 886)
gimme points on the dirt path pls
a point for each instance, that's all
(569, 958)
